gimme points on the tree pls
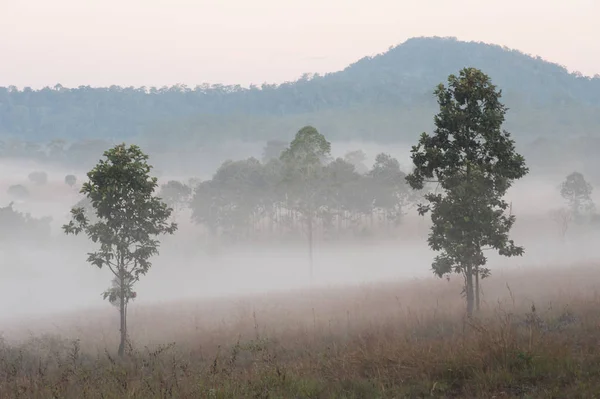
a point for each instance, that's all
(344, 193)
(129, 217)
(22, 227)
(357, 158)
(39, 178)
(474, 162)
(390, 191)
(303, 163)
(70, 180)
(577, 192)
(175, 194)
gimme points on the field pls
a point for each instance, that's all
(536, 336)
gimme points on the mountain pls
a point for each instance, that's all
(383, 98)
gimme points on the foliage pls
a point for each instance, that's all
(129, 217)
(474, 162)
(304, 191)
(389, 188)
(357, 159)
(70, 180)
(175, 194)
(577, 192)
(22, 227)
(39, 178)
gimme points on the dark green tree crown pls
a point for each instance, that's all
(468, 134)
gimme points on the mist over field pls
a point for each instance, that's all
(55, 277)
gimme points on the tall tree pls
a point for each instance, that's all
(128, 218)
(303, 163)
(474, 162)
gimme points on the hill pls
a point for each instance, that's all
(383, 98)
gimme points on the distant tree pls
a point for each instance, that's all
(39, 178)
(303, 163)
(474, 162)
(234, 199)
(390, 191)
(129, 218)
(175, 194)
(18, 192)
(344, 193)
(206, 206)
(70, 180)
(578, 193)
(22, 227)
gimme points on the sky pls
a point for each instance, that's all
(166, 42)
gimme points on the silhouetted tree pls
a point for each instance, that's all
(303, 163)
(474, 161)
(129, 217)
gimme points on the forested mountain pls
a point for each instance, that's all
(383, 98)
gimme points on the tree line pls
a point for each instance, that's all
(367, 100)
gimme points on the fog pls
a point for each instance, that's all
(54, 277)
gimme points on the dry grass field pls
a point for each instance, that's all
(537, 336)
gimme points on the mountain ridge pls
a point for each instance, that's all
(543, 98)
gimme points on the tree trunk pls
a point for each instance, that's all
(469, 290)
(477, 289)
(310, 246)
(123, 314)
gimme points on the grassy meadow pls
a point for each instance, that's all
(537, 336)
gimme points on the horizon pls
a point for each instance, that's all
(157, 43)
(247, 86)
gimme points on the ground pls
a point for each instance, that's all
(537, 336)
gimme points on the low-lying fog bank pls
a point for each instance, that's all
(56, 278)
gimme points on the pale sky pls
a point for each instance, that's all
(164, 42)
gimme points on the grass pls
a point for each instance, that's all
(537, 336)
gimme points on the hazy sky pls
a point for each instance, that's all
(163, 42)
